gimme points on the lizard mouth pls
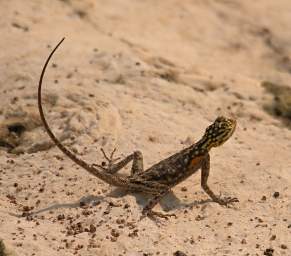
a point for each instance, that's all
(233, 124)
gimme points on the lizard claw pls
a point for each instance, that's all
(227, 200)
(110, 161)
(152, 214)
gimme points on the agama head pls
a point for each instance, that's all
(219, 132)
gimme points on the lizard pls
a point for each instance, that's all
(159, 179)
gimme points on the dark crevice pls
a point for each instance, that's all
(280, 106)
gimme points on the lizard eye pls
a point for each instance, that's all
(219, 119)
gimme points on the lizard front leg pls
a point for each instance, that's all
(205, 169)
(136, 158)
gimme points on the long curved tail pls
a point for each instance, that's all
(107, 177)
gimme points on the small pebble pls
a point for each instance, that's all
(184, 189)
(179, 253)
(276, 194)
(269, 252)
(273, 237)
(92, 228)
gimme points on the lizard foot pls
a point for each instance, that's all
(227, 200)
(152, 214)
(110, 160)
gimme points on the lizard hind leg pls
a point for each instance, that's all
(112, 166)
(109, 159)
(147, 210)
(137, 164)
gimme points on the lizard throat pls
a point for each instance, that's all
(201, 147)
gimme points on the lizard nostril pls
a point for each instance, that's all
(103, 163)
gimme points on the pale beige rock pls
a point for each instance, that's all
(150, 76)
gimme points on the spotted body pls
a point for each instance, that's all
(160, 178)
(183, 164)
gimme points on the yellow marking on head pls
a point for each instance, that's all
(219, 132)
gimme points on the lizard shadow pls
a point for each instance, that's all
(168, 202)
(86, 200)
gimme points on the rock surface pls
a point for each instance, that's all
(150, 76)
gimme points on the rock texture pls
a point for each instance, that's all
(150, 76)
